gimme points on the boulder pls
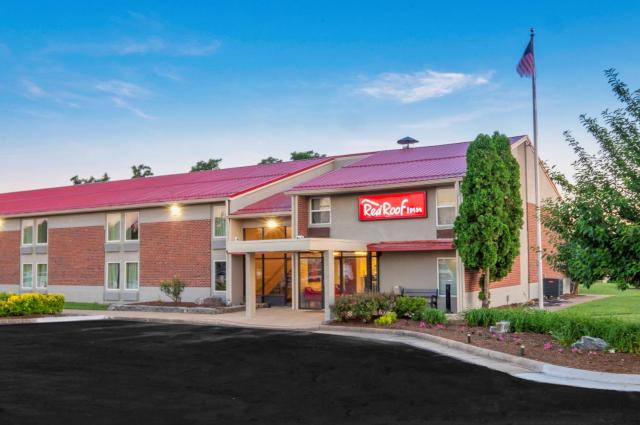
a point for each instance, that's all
(501, 327)
(589, 343)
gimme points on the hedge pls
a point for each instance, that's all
(30, 303)
(368, 306)
(565, 327)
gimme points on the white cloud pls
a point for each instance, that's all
(32, 90)
(128, 47)
(122, 89)
(121, 103)
(410, 88)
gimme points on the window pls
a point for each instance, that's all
(113, 275)
(320, 210)
(43, 276)
(114, 225)
(131, 224)
(219, 222)
(131, 270)
(42, 227)
(447, 276)
(27, 276)
(220, 275)
(445, 206)
(27, 232)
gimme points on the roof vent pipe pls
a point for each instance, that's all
(406, 142)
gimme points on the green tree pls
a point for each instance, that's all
(270, 160)
(211, 164)
(487, 229)
(295, 155)
(596, 224)
(141, 171)
(78, 180)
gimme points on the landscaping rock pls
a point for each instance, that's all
(501, 327)
(589, 343)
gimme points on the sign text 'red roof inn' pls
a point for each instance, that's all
(392, 206)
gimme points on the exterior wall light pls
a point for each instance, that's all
(175, 210)
(272, 223)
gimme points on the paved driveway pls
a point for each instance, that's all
(113, 372)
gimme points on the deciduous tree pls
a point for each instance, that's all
(211, 164)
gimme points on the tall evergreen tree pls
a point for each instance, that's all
(487, 229)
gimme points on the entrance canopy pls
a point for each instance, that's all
(295, 245)
(399, 246)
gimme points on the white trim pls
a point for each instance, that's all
(453, 205)
(371, 188)
(124, 281)
(33, 231)
(224, 218)
(125, 226)
(106, 227)
(38, 276)
(106, 276)
(311, 211)
(22, 276)
(36, 231)
(226, 278)
(438, 275)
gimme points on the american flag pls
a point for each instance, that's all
(527, 65)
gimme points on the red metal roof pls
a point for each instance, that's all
(273, 204)
(213, 184)
(426, 245)
(397, 166)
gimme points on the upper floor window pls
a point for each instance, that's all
(445, 206)
(42, 230)
(114, 226)
(320, 210)
(27, 232)
(132, 226)
(219, 222)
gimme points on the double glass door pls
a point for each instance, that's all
(273, 278)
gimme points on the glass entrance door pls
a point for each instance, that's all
(273, 279)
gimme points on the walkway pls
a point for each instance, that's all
(271, 318)
(570, 302)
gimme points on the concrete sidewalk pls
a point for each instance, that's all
(266, 318)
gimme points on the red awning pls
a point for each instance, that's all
(429, 245)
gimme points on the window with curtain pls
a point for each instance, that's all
(27, 232)
(131, 224)
(27, 275)
(320, 210)
(113, 276)
(43, 276)
(219, 222)
(445, 206)
(447, 275)
(220, 275)
(113, 227)
(42, 227)
(131, 270)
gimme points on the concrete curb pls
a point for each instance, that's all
(539, 371)
(53, 319)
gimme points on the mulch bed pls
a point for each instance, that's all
(537, 346)
(180, 304)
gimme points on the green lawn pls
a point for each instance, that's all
(624, 305)
(85, 306)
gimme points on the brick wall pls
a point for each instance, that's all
(547, 271)
(76, 256)
(472, 278)
(179, 248)
(10, 257)
(303, 216)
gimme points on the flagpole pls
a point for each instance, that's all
(536, 174)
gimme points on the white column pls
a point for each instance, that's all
(329, 290)
(295, 272)
(250, 285)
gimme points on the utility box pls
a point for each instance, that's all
(552, 288)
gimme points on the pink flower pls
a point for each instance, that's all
(501, 338)
(548, 346)
(560, 350)
(422, 325)
(440, 326)
(517, 341)
(574, 350)
(592, 353)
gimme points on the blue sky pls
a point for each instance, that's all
(89, 88)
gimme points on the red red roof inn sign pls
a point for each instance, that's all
(392, 206)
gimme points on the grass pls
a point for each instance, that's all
(623, 305)
(85, 306)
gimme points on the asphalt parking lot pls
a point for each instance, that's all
(116, 372)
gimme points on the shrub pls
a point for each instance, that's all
(432, 316)
(173, 289)
(362, 307)
(410, 306)
(387, 319)
(30, 303)
(565, 327)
